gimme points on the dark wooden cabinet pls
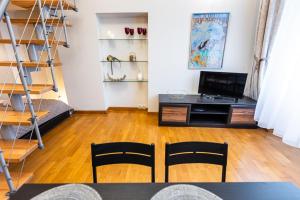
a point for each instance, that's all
(196, 110)
(175, 114)
(242, 115)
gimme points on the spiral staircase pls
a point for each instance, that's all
(49, 17)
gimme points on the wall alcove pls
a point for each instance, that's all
(133, 90)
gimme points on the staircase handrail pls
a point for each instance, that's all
(3, 6)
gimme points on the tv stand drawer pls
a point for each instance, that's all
(242, 116)
(174, 114)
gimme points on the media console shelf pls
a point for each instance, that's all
(196, 110)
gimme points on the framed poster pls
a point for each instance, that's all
(208, 38)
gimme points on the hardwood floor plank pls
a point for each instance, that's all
(3, 195)
(254, 154)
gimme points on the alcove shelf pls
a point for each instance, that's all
(125, 61)
(113, 41)
(126, 81)
(142, 39)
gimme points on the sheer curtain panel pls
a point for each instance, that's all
(278, 106)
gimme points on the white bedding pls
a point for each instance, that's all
(55, 108)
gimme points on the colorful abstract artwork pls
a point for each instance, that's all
(208, 38)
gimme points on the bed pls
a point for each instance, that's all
(58, 111)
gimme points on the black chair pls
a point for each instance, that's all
(196, 152)
(123, 153)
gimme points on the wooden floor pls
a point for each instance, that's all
(254, 155)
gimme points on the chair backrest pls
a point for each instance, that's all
(123, 153)
(196, 152)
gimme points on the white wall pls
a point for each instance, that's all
(169, 29)
(6, 73)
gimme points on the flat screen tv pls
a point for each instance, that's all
(222, 84)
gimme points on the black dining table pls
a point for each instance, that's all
(144, 191)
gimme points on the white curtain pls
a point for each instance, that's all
(278, 104)
(270, 13)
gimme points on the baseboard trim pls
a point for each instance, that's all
(90, 111)
(153, 113)
(113, 109)
(126, 109)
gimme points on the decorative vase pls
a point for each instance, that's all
(132, 57)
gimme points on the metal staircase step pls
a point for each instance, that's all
(34, 41)
(54, 21)
(19, 118)
(68, 5)
(18, 88)
(26, 64)
(18, 179)
(15, 151)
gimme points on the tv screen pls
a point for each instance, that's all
(222, 83)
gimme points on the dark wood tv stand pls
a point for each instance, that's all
(197, 110)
